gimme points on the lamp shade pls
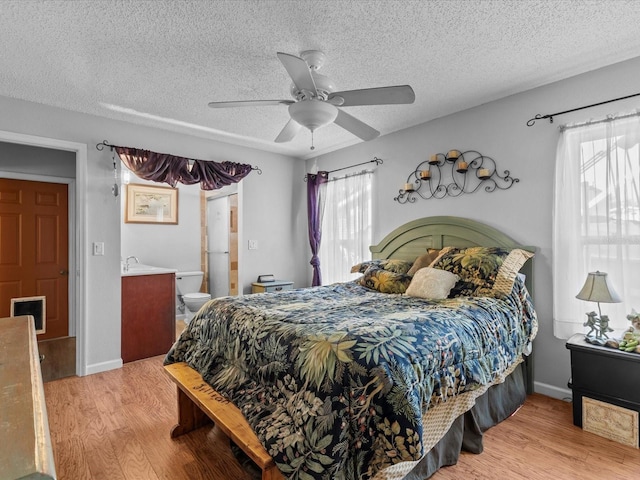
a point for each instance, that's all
(598, 289)
(313, 113)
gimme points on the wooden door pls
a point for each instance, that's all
(34, 252)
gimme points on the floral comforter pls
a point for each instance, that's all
(334, 379)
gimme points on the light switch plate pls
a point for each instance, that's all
(253, 244)
(98, 248)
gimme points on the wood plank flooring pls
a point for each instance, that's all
(115, 426)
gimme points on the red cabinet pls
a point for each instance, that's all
(148, 315)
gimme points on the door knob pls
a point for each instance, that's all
(64, 272)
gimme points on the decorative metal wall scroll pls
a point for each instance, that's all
(453, 174)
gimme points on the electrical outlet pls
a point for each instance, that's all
(98, 248)
(253, 244)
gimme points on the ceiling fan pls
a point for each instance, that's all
(316, 102)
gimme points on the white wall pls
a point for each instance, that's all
(268, 214)
(274, 204)
(498, 129)
(164, 245)
(36, 160)
(268, 221)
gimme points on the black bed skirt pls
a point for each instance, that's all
(495, 405)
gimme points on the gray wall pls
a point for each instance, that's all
(274, 204)
(271, 216)
(498, 129)
(36, 160)
(163, 245)
(267, 213)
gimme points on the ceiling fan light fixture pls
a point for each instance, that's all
(313, 114)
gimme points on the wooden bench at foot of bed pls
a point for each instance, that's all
(198, 403)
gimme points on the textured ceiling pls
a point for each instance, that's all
(160, 62)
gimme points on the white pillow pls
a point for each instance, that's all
(431, 283)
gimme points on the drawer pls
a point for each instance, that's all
(271, 287)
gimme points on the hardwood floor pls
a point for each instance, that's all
(115, 425)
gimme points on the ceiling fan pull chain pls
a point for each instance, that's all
(312, 147)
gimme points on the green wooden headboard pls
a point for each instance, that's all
(409, 241)
(412, 239)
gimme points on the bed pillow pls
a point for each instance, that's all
(384, 281)
(483, 271)
(432, 284)
(424, 260)
(389, 264)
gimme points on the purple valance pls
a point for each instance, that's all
(165, 168)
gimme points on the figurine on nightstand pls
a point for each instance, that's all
(604, 326)
(591, 322)
(634, 318)
(599, 325)
(630, 341)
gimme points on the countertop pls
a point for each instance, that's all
(136, 269)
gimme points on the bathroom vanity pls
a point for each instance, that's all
(148, 312)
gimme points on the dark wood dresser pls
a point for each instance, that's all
(605, 375)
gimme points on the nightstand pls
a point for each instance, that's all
(606, 387)
(275, 286)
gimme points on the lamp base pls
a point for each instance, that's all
(598, 328)
(595, 340)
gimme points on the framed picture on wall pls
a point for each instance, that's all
(34, 306)
(151, 204)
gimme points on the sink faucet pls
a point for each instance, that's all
(126, 264)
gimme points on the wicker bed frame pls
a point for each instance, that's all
(199, 404)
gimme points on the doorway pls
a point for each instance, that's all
(222, 245)
(77, 231)
(35, 262)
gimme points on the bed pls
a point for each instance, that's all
(347, 382)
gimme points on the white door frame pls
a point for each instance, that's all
(77, 261)
(209, 235)
(235, 188)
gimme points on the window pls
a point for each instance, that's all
(597, 219)
(346, 226)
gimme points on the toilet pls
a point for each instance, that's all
(187, 288)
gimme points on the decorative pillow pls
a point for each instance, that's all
(483, 271)
(384, 281)
(389, 264)
(424, 260)
(432, 284)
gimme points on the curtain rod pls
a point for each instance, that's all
(609, 118)
(375, 160)
(550, 116)
(100, 146)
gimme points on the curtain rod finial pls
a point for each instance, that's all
(100, 146)
(532, 121)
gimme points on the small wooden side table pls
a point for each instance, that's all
(275, 286)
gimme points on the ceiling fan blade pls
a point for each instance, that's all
(250, 103)
(298, 71)
(355, 126)
(288, 132)
(399, 94)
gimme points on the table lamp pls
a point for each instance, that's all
(598, 289)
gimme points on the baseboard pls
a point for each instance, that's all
(552, 391)
(104, 366)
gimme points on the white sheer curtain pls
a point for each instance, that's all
(596, 219)
(346, 226)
